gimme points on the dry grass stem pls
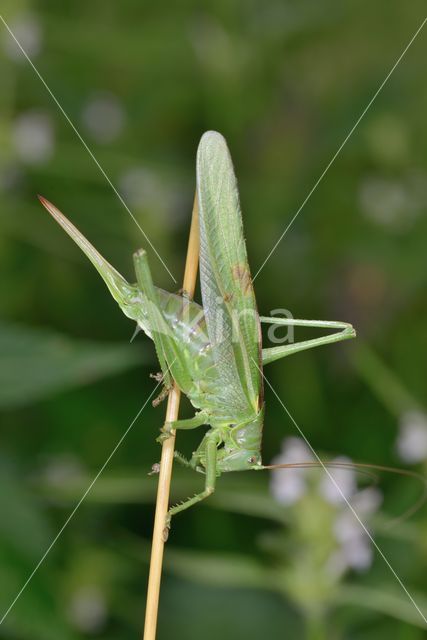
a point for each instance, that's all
(165, 473)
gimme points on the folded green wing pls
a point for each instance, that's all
(227, 292)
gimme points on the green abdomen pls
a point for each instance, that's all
(202, 385)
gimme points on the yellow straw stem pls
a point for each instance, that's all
(165, 474)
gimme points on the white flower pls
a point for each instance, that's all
(104, 118)
(394, 204)
(412, 440)
(353, 545)
(33, 137)
(87, 609)
(355, 554)
(289, 485)
(355, 551)
(27, 31)
(355, 548)
(143, 187)
(338, 484)
(346, 527)
(367, 501)
(140, 186)
(386, 202)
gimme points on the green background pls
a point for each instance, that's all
(284, 82)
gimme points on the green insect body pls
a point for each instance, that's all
(213, 352)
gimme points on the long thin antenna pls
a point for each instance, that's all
(163, 489)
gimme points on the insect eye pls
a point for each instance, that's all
(252, 459)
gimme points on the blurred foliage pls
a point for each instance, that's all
(284, 82)
(37, 363)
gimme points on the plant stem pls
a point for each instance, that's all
(315, 628)
(163, 488)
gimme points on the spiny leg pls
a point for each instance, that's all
(275, 353)
(210, 481)
(158, 377)
(162, 395)
(155, 468)
(179, 457)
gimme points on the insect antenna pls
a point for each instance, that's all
(366, 469)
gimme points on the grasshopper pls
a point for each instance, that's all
(213, 352)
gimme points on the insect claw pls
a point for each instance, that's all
(155, 469)
(163, 393)
(182, 292)
(157, 376)
(165, 433)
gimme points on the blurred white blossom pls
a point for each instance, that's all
(354, 553)
(140, 186)
(394, 204)
(367, 501)
(87, 609)
(386, 202)
(338, 484)
(289, 485)
(412, 440)
(33, 137)
(104, 117)
(353, 548)
(144, 188)
(27, 31)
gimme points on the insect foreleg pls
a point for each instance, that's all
(210, 481)
(157, 323)
(162, 395)
(168, 349)
(188, 423)
(200, 418)
(275, 353)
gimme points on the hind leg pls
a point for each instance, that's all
(210, 481)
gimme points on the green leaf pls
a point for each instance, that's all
(237, 493)
(384, 601)
(21, 514)
(215, 569)
(24, 537)
(37, 363)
